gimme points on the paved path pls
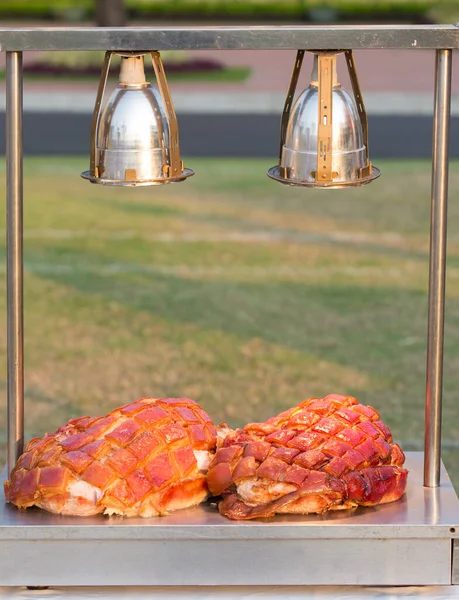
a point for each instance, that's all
(238, 135)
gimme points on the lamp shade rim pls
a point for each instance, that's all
(277, 173)
(137, 182)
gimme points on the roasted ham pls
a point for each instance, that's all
(143, 459)
(325, 454)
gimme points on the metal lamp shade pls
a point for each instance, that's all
(324, 141)
(134, 140)
(299, 152)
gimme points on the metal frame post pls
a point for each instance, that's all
(437, 272)
(14, 258)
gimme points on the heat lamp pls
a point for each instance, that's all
(324, 137)
(134, 137)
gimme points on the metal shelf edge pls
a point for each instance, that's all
(284, 37)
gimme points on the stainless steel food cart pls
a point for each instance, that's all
(197, 552)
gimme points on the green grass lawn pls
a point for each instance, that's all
(71, 9)
(243, 294)
(440, 11)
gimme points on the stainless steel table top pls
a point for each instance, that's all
(421, 513)
(408, 542)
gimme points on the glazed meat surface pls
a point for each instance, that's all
(324, 454)
(143, 459)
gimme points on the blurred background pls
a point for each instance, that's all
(243, 294)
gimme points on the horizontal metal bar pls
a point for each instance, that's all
(220, 592)
(231, 38)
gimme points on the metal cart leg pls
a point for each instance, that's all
(439, 204)
(14, 264)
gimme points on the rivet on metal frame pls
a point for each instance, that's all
(324, 137)
(134, 138)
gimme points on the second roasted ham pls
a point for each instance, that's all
(143, 459)
(324, 454)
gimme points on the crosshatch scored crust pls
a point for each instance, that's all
(324, 454)
(146, 458)
(153, 456)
